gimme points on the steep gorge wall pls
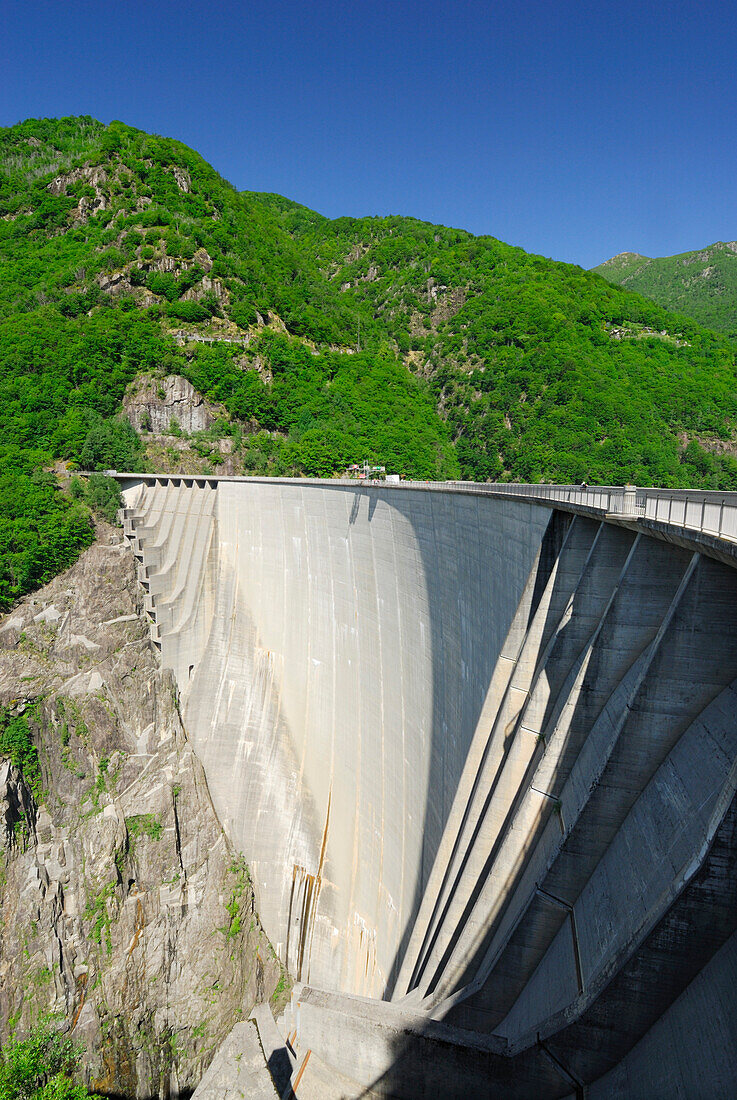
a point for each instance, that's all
(125, 909)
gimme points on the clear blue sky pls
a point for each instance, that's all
(574, 128)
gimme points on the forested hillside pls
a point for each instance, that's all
(423, 348)
(701, 284)
(110, 242)
(543, 371)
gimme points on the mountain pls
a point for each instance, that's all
(701, 284)
(543, 371)
(127, 262)
(621, 266)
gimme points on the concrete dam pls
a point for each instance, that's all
(478, 745)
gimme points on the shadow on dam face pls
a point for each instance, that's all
(542, 567)
(333, 648)
(592, 946)
(481, 759)
(662, 1027)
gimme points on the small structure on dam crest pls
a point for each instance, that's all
(479, 746)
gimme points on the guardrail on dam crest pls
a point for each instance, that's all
(478, 745)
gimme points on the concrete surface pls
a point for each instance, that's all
(239, 1071)
(333, 653)
(278, 1055)
(481, 757)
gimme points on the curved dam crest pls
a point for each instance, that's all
(480, 753)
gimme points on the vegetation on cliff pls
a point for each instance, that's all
(426, 349)
(702, 284)
(41, 1067)
(16, 745)
(41, 532)
(115, 874)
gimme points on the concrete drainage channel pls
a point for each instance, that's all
(479, 748)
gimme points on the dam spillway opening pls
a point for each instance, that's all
(479, 753)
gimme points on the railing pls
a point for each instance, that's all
(603, 499)
(709, 513)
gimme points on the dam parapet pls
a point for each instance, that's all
(479, 747)
(710, 513)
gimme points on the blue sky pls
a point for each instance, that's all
(574, 129)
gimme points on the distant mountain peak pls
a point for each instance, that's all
(624, 257)
(701, 283)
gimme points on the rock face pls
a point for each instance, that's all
(153, 403)
(124, 907)
(207, 286)
(97, 179)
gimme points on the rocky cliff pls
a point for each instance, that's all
(152, 404)
(182, 432)
(124, 908)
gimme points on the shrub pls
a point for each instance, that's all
(188, 311)
(17, 745)
(163, 283)
(41, 1067)
(102, 494)
(143, 825)
(111, 444)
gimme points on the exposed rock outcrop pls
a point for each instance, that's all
(182, 177)
(124, 907)
(93, 175)
(207, 286)
(447, 302)
(152, 404)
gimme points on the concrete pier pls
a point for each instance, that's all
(480, 751)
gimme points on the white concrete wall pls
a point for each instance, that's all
(333, 668)
(477, 761)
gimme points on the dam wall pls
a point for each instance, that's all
(480, 752)
(334, 649)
